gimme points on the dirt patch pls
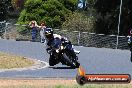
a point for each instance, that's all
(37, 82)
(54, 83)
(8, 61)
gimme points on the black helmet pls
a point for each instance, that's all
(48, 33)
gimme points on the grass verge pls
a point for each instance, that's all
(54, 83)
(8, 61)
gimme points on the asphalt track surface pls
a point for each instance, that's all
(93, 60)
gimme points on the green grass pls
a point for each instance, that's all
(8, 61)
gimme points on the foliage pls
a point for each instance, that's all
(18, 4)
(79, 22)
(52, 12)
(108, 16)
(4, 9)
(2, 12)
(70, 4)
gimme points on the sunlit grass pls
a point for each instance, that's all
(97, 86)
(71, 86)
(54, 83)
(8, 61)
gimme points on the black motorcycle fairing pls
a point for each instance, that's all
(68, 57)
(54, 59)
(56, 43)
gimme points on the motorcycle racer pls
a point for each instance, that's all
(50, 39)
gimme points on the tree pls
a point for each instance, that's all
(18, 4)
(4, 9)
(2, 12)
(52, 12)
(70, 4)
(79, 22)
(107, 20)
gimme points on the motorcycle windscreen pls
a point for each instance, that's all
(56, 43)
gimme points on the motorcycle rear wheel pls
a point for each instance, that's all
(68, 59)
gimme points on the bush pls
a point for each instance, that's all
(52, 12)
(79, 22)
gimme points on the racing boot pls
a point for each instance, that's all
(76, 51)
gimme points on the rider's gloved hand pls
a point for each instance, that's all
(48, 50)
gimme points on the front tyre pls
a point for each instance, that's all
(52, 61)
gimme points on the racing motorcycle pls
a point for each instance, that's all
(63, 52)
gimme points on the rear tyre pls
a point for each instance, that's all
(51, 62)
(68, 59)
